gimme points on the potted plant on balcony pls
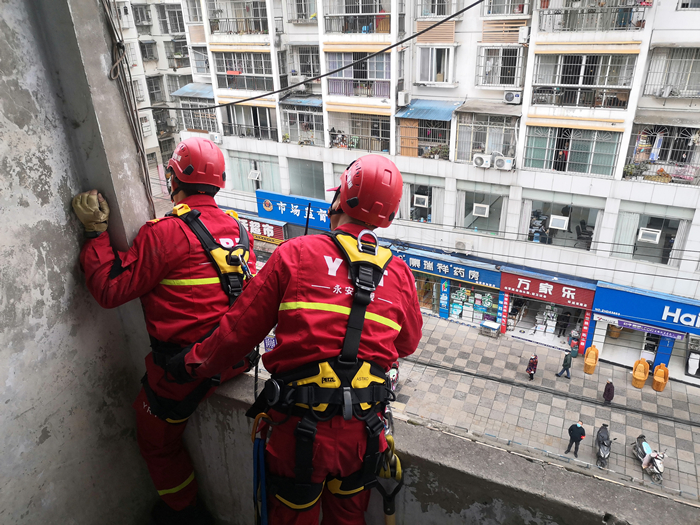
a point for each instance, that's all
(285, 137)
(633, 171)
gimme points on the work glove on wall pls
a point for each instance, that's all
(93, 211)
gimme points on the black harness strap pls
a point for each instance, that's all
(174, 411)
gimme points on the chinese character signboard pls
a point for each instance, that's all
(549, 291)
(293, 209)
(444, 298)
(503, 309)
(262, 230)
(584, 332)
(458, 272)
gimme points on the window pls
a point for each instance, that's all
(674, 73)
(142, 14)
(201, 60)
(237, 17)
(244, 71)
(194, 11)
(435, 64)
(167, 147)
(480, 196)
(166, 122)
(198, 120)
(178, 53)
(306, 178)
(302, 125)
(663, 153)
(155, 89)
(369, 132)
(506, 7)
(500, 66)
(251, 122)
(434, 8)
(607, 80)
(689, 4)
(366, 79)
(170, 19)
(358, 16)
(175, 82)
(592, 15)
(572, 150)
(422, 199)
(301, 11)
(163, 19)
(145, 126)
(424, 138)
(138, 90)
(148, 51)
(485, 134)
(239, 165)
(306, 61)
(130, 51)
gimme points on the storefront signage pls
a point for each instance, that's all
(503, 309)
(263, 230)
(622, 323)
(549, 291)
(444, 298)
(659, 311)
(457, 272)
(292, 208)
(584, 332)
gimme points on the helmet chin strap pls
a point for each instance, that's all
(337, 211)
(174, 189)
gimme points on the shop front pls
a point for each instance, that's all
(267, 235)
(630, 323)
(545, 309)
(453, 288)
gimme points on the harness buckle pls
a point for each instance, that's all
(272, 392)
(216, 380)
(347, 403)
(372, 249)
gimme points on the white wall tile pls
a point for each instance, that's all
(561, 183)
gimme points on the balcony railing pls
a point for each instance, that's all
(364, 23)
(435, 8)
(581, 97)
(593, 19)
(506, 7)
(178, 62)
(164, 128)
(244, 82)
(350, 87)
(302, 12)
(279, 24)
(251, 132)
(239, 26)
(360, 142)
(663, 154)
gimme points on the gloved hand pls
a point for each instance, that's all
(177, 369)
(92, 210)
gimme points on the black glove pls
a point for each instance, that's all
(176, 368)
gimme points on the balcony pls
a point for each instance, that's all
(595, 18)
(302, 12)
(580, 97)
(258, 83)
(177, 62)
(369, 23)
(436, 8)
(350, 87)
(506, 7)
(250, 132)
(240, 26)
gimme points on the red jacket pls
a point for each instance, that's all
(165, 249)
(305, 290)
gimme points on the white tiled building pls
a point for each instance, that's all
(601, 124)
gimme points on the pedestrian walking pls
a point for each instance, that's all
(532, 366)
(609, 392)
(566, 366)
(576, 434)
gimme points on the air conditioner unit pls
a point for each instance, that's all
(172, 122)
(482, 161)
(504, 163)
(649, 235)
(404, 98)
(140, 97)
(215, 138)
(480, 210)
(463, 245)
(513, 97)
(254, 175)
(558, 222)
(523, 35)
(295, 79)
(420, 201)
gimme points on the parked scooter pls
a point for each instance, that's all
(652, 461)
(604, 444)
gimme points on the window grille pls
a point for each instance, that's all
(302, 11)
(142, 14)
(363, 16)
(201, 60)
(664, 153)
(148, 51)
(163, 19)
(366, 132)
(674, 73)
(155, 89)
(366, 79)
(238, 17)
(485, 134)
(198, 120)
(424, 138)
(591, 15)
(177, 53)
(145, 126)
(571, 150)
(176, 22)
(435, 8)
(244, 71)
(194, 11)
(583, 80)
(138, 90)
(130, 50)
(307, 61)
(506, 7)
(302, 125)
(251, 122)
(500, 66)
(167, 147)
(688, 4)
(175, 82)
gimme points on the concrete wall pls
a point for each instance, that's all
(68, 371)
(449, 480)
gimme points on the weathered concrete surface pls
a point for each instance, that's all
(68, 374)
(449, 480)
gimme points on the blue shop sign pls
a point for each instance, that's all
(646, 307)
(424, 262)
(292, 208)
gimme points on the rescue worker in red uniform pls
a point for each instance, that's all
(183, 297)
(306, 290)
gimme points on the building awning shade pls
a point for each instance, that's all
(660, 117)
(490, 107)
(314, 102)
(423, 109)
(195, 90)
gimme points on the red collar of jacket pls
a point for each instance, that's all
(197, 201)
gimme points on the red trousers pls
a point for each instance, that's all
(339, 449)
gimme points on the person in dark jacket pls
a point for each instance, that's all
(563, 323)
(566, 366)
(576, 434)
(609, 392)
(532, 366)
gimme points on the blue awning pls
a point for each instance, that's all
(195, 90)
(423, 109)
(315, 102)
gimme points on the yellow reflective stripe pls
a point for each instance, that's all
(178, 488)
(190, 282)
(300, 305)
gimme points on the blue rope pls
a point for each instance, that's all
(259, 480)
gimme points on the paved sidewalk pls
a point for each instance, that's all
(462, 379)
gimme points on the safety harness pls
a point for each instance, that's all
(345, 385)
(232, 268)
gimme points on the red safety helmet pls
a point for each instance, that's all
(370, 190)
(198, 161)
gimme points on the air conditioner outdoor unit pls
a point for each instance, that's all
(404, 98)
(558, 222)
(172, 122)
(215, 138)
(649, 235)
(140, 98)
(254, 175)
(523, 35)
(463, 245)
(480, 210)
(482, 161)
(295, 79)
(504, 163)
(513, 97)
(420, 201)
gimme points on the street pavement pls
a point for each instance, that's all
(477, 384)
